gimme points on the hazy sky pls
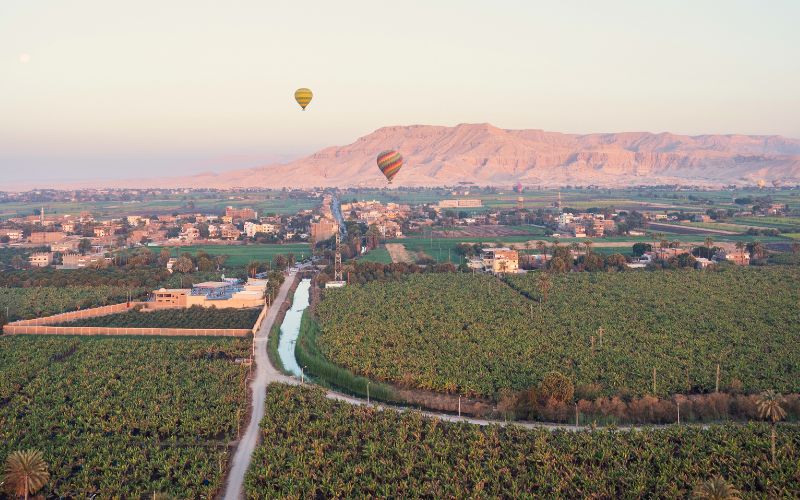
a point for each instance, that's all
(139, 88)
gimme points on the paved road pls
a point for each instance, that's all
(265, 375)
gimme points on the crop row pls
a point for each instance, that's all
(123, 417)
(314, 447)
(477, 335)
(193, 317)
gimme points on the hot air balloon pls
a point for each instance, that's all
(761, 184)
(518, 188)
(390, 162)
(303, 97)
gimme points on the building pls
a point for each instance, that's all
(219, 294)
(45, 238)
(240, 213)
(251, 228)
(229, 232)
(461, 203)
(499, 260)
(323, 230)
(738, 258)
(102, 232)
(40, 259)
(13, 234)
(78, 261)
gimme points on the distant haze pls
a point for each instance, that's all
(93, 89)
(486, 155)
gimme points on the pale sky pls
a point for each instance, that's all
(100, 88)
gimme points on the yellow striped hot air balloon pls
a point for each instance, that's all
(303, 97)
(389, 162)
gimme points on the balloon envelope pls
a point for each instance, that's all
(390, 162)
(303, 97)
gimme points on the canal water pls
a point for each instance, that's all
(290, 328)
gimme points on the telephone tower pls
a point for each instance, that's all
(337, 262)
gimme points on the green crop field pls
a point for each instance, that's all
(211, 203)
(27, 303)
(123, 417)
(477, 335)
(241, 255)
(380, 255)
(193, 317)
(314, 447)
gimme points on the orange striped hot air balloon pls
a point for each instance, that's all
(303, 97)
(390, 162)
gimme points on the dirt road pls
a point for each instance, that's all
(398, 253)
(265, 375)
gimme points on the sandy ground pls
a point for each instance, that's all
(398, 253)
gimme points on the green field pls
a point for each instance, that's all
(123, 417)
(211, 203)
(241, 255)
(314, 447)
(193, 317)
(379, 254)
(35, 302)
(476, 335)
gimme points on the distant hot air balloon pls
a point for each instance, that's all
(390, 162)
(303, 97)
(518, 188)
(761, 184)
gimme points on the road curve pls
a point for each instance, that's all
(265, 375)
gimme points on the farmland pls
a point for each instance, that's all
(476, 335)
(26, 303)
(241, 255)
(193, 317)
(318, 448)
(123, 417)
(207, 202)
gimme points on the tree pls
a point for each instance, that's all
(708, 242)
(542, 247)
(544, 285)
(769, 408)
(84, 246)
(740, 246)
(183, 265)
(640, 248)
(715, 488)
(616, 261)
(795, 248)
(25, 473)
(756, 249)
(17, 262)
(556, 386)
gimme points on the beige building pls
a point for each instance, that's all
(219, 294)
(40, 259)
(324, 229)
(78, 261)
(461, 203)
(46, 238)
(500, 260)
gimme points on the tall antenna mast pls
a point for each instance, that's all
(337, 263)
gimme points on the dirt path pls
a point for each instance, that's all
(265, 375)
(398, 253)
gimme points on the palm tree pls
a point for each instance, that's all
(740, 246)
(25, 472)
(588, 244)
(544, 285)
(709, 241)
(715, 488)
(769, 408)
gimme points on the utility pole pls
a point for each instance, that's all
(459, 406)
(337, 263)
(717, 387)
(679, 411)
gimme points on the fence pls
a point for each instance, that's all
(13, 329)
(40, 326)
(75, 315)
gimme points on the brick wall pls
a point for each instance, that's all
(14, 329)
